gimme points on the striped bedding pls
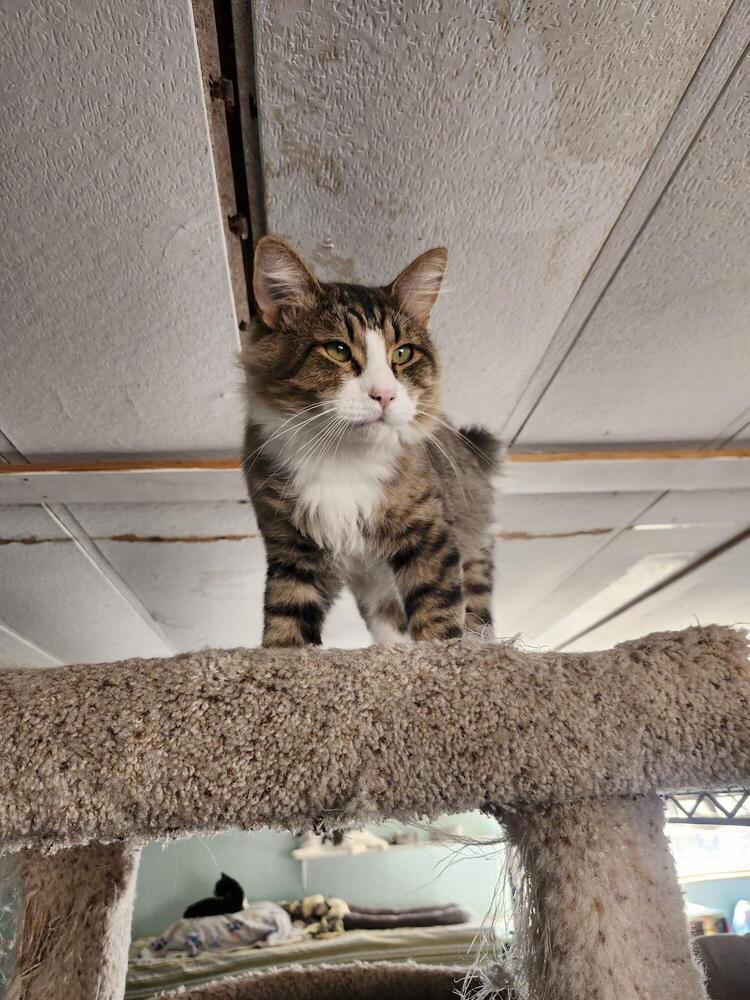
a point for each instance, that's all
(450, 945)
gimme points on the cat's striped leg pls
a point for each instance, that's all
(478, 570)
(301, 586)
(427, 566)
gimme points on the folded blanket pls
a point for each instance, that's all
(259, 924)
(367, 918)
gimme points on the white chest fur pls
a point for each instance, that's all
(337, 495)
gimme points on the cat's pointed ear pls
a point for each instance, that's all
(417, 287)
(281, 279)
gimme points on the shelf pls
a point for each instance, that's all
(301, 853)
(729, 807)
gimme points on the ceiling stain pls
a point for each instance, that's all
(131, 537)
(528, 536)
(148, 539)
(32, 540)
(189, 539)
(328, 264)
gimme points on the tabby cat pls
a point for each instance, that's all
(355, 475)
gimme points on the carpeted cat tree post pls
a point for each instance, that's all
(76, 904)
(603, 915)
(569, 749)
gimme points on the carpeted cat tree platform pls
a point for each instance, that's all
(569, 750)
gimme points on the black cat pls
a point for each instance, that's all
(228, 897)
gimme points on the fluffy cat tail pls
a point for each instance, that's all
(483, 443)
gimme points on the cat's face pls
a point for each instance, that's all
(356, 363)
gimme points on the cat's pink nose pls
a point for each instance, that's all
(383, 396)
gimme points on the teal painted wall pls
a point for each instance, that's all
(7, 919)
(173, 874)
(719, 894)
(176, 873)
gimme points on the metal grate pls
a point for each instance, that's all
(730, 807)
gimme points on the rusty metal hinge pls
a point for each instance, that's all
(222, 89)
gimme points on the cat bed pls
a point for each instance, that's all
(358, 981)
(569, 750)
(427, 946)
(726, 958)
(367, 918)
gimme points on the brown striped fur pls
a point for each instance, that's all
(395, 503)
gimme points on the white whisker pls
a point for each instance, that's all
(309, 448)
(293, 430)
(275, 471)
(344, 428)
(325, 413)
(460, 436)
(328, 443)
(309, 443)
(459, 478)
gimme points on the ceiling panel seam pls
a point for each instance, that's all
(225, 50)
(678, 575)
(714, 466)
(607, 540)
(9, 454)
(228, 67)
(217, 128)
(611, 538)
(737, 428)
(20, 637)
(63, 517)
(685, 571)
(218, 99)
(713, 75)
(243, 21)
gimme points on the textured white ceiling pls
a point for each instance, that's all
(512, 133)
(18, 652)
(201, 577)
(51, 593)
(719, 591)
(118, 326)
(628, 565)
(562, 563)
(665, 356)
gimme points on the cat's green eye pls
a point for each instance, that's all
(337, 350)
(402, 354)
